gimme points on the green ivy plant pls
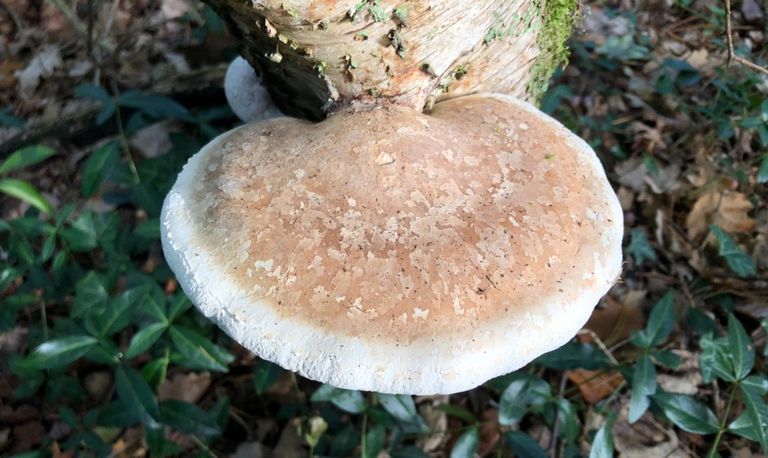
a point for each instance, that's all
(20, 189)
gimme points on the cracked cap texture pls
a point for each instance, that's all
(389, 250)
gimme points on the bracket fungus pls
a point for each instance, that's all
(390, 250)
(246, 94)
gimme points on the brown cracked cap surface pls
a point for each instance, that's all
(462, 231)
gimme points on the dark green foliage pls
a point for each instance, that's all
(602, 445)
(687, 413)
(739, 262)
(640, 248)
(575, 355)
(466, 444)
(524, 445)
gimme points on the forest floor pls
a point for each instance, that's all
(112, 97)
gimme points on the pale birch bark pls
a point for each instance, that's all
(320, 55)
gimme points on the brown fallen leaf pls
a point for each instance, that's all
(595, 385)
(21, 414)
(615, 321)
(489, 433)
(727, 209)
(5, 438)
(170, 286)
(185, 387)
(686, 378)
(57, 453)
(644, 438)
(97, 384)
(42, 65)
(8, 67)
(27, 436)
(252, 450)
(437, 420)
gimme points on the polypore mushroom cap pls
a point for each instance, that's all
(388, 250)
(246, 93)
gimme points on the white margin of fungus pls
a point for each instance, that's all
(246, 95)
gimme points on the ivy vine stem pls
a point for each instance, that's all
(713, 451)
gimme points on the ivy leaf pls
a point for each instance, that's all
(744, 427)
(409, 451)
(150, 299)
(90, 294)
(200, 351)
(740, 348)
(91, 229)
(157, 444)
(660, 324)
(667, 358)
(149, 229)
(115, 415)
(25, 157)
(756, 409)
(136, 395)
(687, 413)
(715, 360)
(22, 190)
(144, 339)
(602, 445)
(401, 406)
(188, 418)
(116, 315)
(457, 411)
(95, 168)
(9, 120)
(154, 371)
(568, 417)
(519, 395)
(7, 276)
(345, 441)
(643, 387)
(178, 305)
(154, 105)
(466, 444)
(99, 94)
(758, 384)
(739, 262)
(59, 352)
(265, 374)
(640, 248)
(374, 441)
(762, 172)
(575, 355)
(524, 445)
(347, 400)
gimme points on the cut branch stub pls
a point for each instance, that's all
(317, 56)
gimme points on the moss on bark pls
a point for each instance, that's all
(558, 18)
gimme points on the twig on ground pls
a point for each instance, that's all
(110, 20)
(80, 28)
(18, 22)
(599, 342)
(554, 442)
(732, 57)
(72, 18)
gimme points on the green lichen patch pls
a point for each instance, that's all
(497, 30)
(558, 18)
(400, 15)
(373, 7)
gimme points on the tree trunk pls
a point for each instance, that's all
(317, 56)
